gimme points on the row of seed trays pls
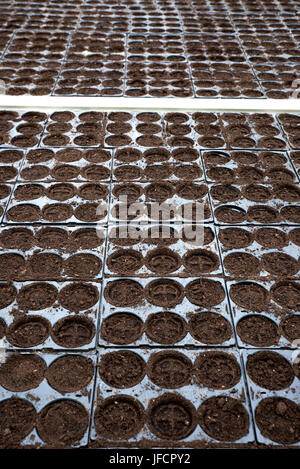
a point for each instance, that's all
(162, 397)
(137, 334)
(165, 397)
(241, 67)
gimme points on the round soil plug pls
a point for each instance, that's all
(122, 328)
(165, 328)
(119, 418)
(224, 418)
(169, 369)
(210, 328)
(122, 369)
(171, 417)
(62, 423)
(70, 373)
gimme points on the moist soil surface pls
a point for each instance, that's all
(224, 418)
(62, 423)
(210, 328)
(165, 328)
(119, 418)
(122, 329)
(258, 331)
(278, 419)
(122, 369)
(70, 373)
(241, 264)
(155, 291)
(22, 372)
(73, 331)
(28, 331)
(270, 370)
(171, 416)
(217, 370)
(18, 419)
(169, 369)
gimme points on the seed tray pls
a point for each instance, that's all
(74, 54)
(185, 310)
(94, 65)
(205, 141)
(70, 137)
(229, 160)
(133, 135)
(217, 91)
(138, 210)
(138, 172)
(79, 90)
(24, 270)
(52, 164)
(73, 201)
(155, 155)
(253, 138)
(256, 249)
(36, 67)
(271, 306)
(291, 131)
(257, 393)
(142, 249)
(274, 207)
(9, 166)
(30, 141)
(146, 90)
(42, 56)
(44, 395)
(146, 392)
(68, 247)
(182, 134)
(11, 314)
(273, 311)
(96, 45)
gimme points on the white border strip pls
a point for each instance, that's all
(159, 104)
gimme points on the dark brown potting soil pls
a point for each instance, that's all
(171, 416)
(125, 261)
(169, 369)
(122, 328)
(271, 238)
(224, 418)
(258, 331)
(122, 369)
(73, 331)
(249, 295)
(119, 418)
(205, 292)
(165, 328)
(290, 327)
(270, 370)
(242, 264)
(28, 331)
(217, 370)
(70, 373)
(18, 419)
(210, 328)
(162, 261)
(62, 422)
(235, 238)
(22, 372)
(278, 419)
